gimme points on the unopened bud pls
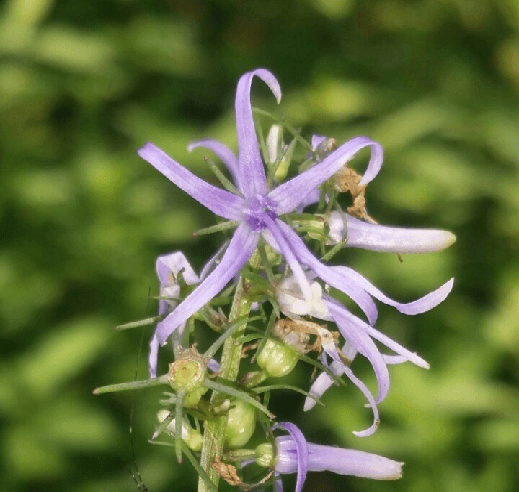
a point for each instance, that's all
(277, 359)
(265, 455)
(240, 424)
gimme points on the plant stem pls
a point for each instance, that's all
(229, 368)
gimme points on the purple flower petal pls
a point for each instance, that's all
(324, 381)
(224, 153)
(391, 344)
(319, 386)
(421, 305)
(174, 263)
(376, 237)
(219, 201)
(372, 403)
(301, 449)
(316, 140)
(290, 194)
(252, 178)
(349, 326)
(153, 355)
(325, 273)
(353, 462)
(284, 248)
(239, 251)
(278, 484)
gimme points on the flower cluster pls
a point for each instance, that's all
(269, 268)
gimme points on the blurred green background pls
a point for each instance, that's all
(83, 84)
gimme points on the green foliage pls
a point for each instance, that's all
(84, 84)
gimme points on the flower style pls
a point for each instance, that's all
(357, 334)
(257, 209)
(295, 454)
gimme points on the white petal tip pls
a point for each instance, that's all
(368, 432)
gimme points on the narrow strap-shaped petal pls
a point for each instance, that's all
(324, 381)
(252, 180)
(372, 403)
(153, 355)
(286, 251)
(394, 346)
(219, 201)
(325, 273)
(224, 153)
(301, 449)
(290, 194)
(319, 386)
(375, 237)
(238, 252)
(174, 263)
(278, 484)
(421, 305)
(213, 261)
(352, 462)
(394, 359)
(350, 328)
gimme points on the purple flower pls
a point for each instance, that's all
(168, 268)
(257, 210)
(357, 334)
(294, 454)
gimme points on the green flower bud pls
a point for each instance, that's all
(188, 373)
(240, 424)
(277, 359)
(192, 398)
(265, 455)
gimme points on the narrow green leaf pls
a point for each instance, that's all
(112, 388)
(240, 394)
(260, 389)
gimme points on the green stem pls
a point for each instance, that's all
(229, 366)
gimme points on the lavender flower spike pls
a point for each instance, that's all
(257, 209)
(294, 454)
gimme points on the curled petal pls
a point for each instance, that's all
(224, 153)
(252, 180)
(421, 305)
(325, 273)
(168, 267)
(360, 234)
(350, 328)
(391, 344)
(219, 201)
(239, 251)
(372, 403)
(301, 450)
(290, 194)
